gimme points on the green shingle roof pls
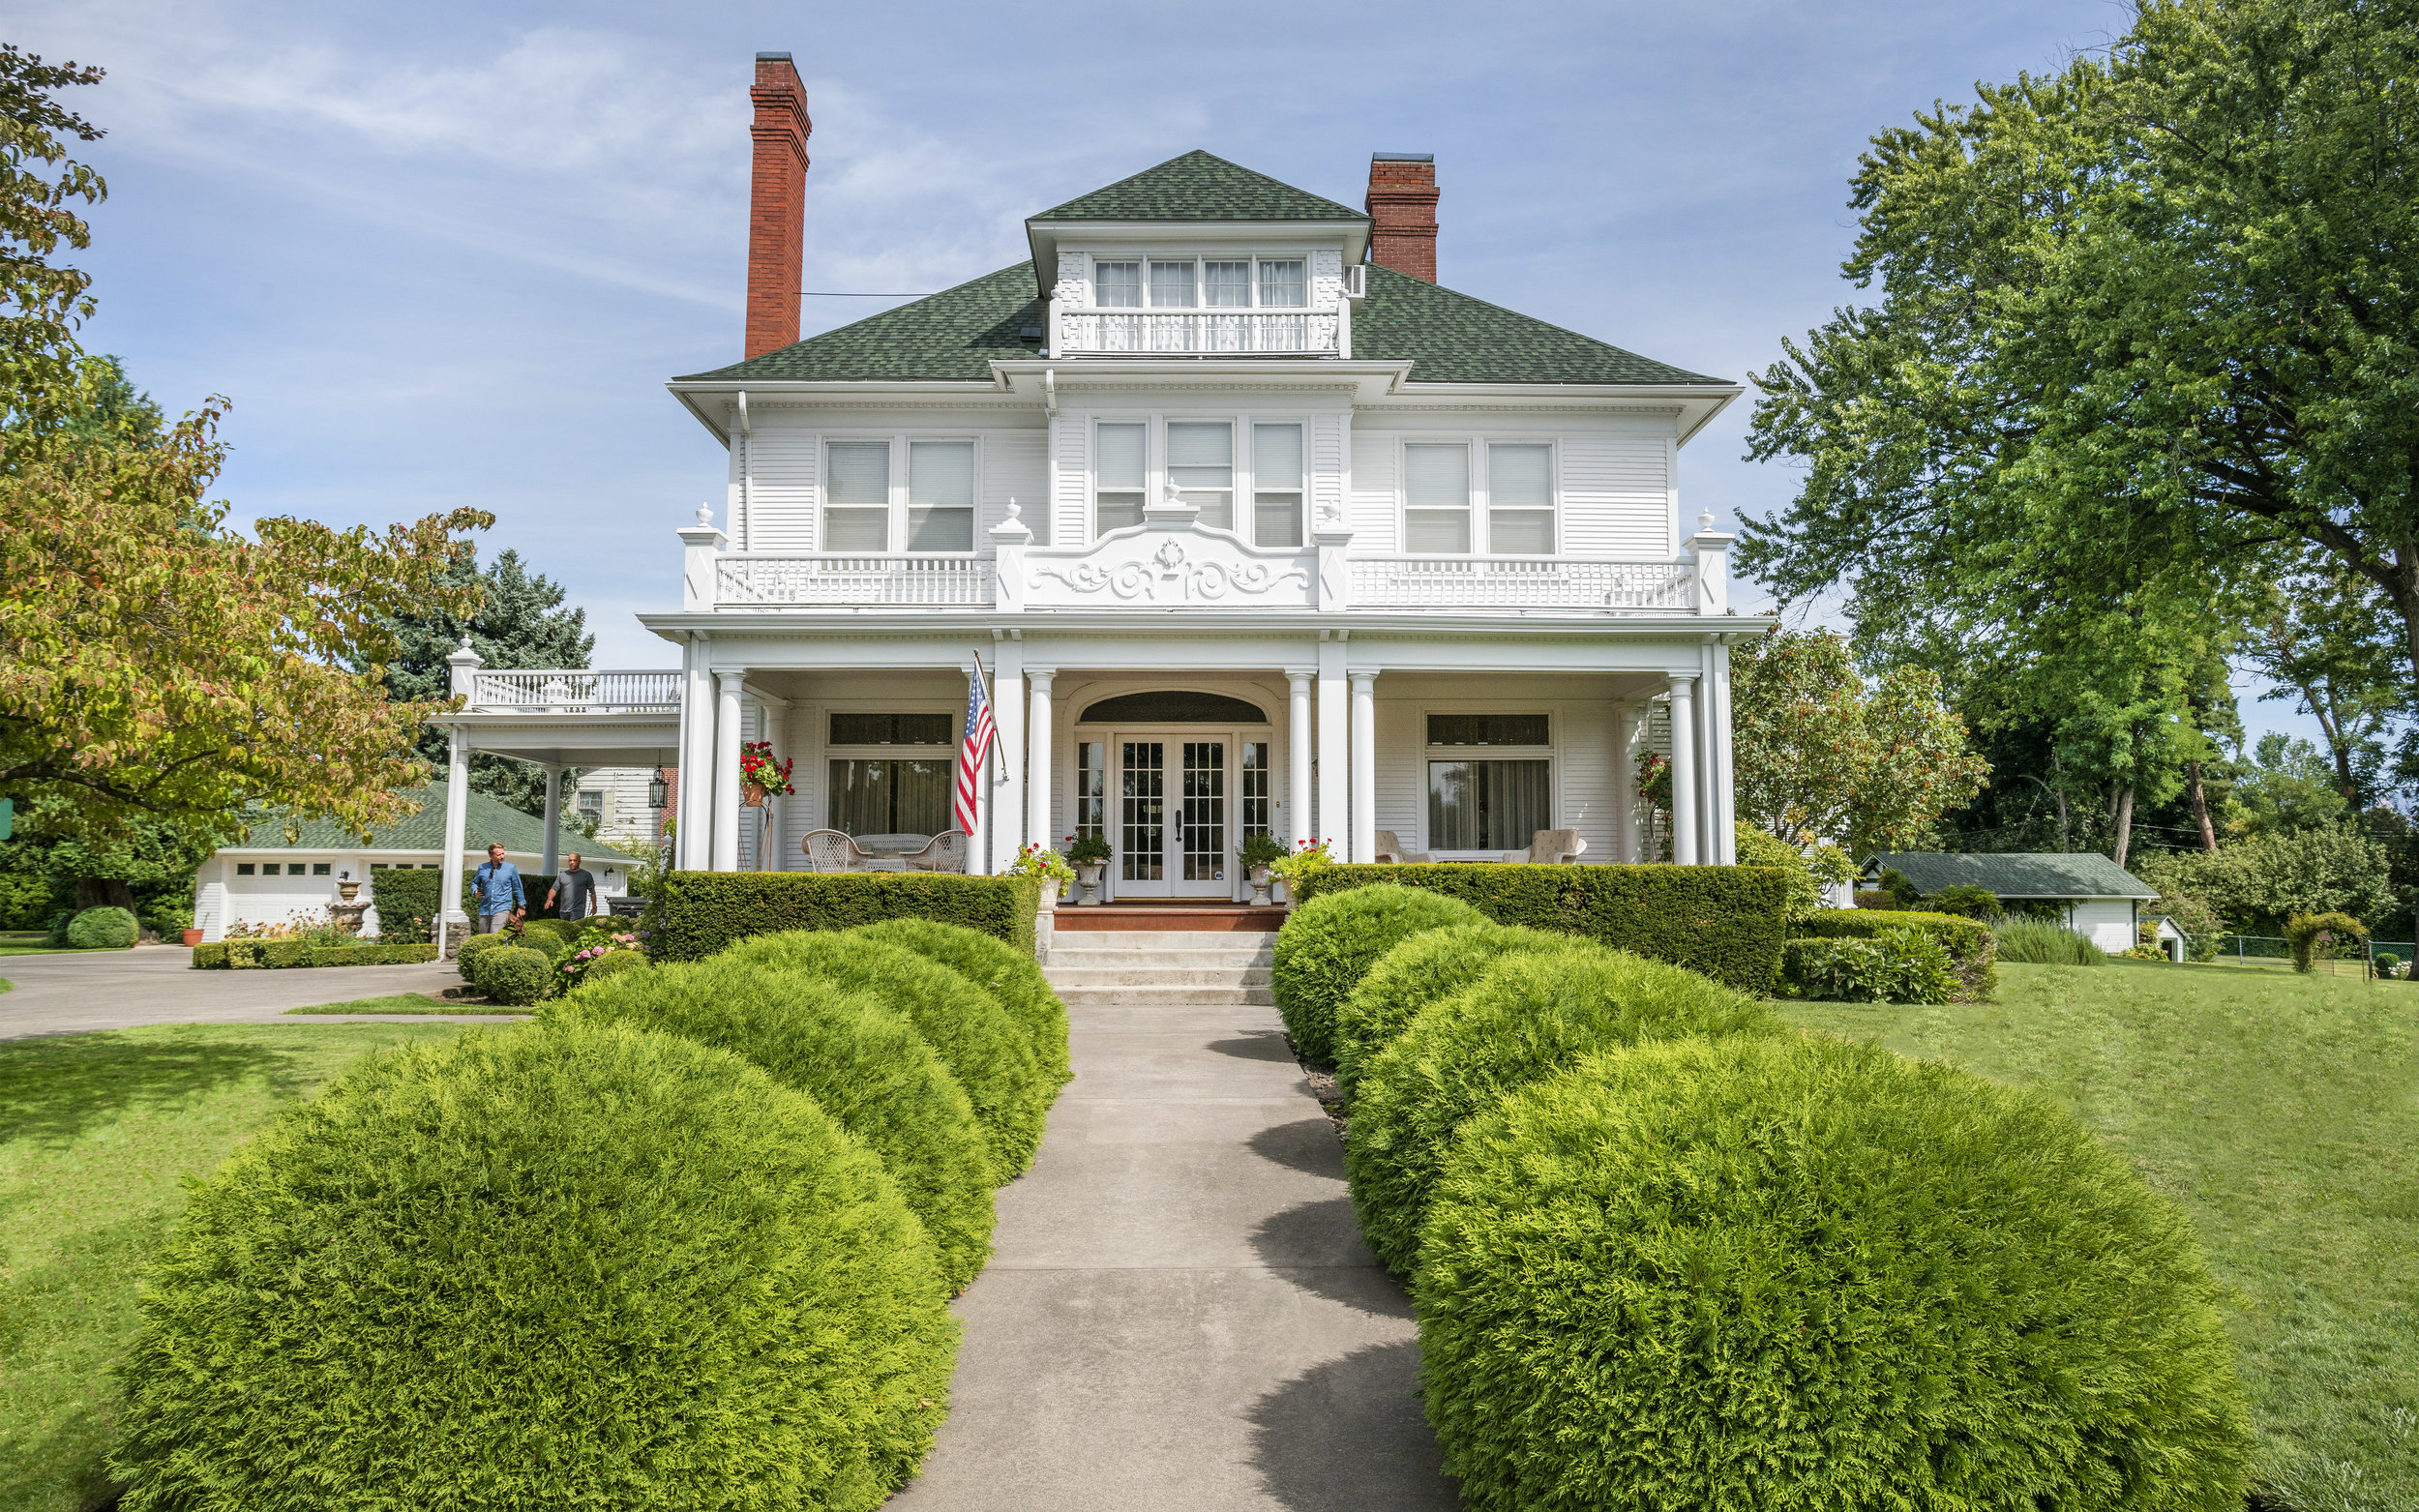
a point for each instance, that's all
(1201, 187)
(491, 822)
(2016, 874)
(1451, 337)
(954, 333)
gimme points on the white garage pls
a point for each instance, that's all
(2097, 897)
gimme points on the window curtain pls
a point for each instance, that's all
(1489, 805)
(1281, 286)
(1226, 286)
(890, 797)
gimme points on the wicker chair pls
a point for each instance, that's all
(945, 852)
(1391, 849)
(830, 850)
(1551, 848)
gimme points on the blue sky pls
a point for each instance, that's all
(447, 255)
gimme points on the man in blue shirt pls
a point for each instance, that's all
(496, 885)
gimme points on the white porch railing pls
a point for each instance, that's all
(582, 692)
(1491, 582)
(757, 581)
(1139, 331)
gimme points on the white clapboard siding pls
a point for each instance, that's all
(1616, 496)
(1331, 441)
(1016, 465)
(1583, 742)
(1372, 508)
(782, 467)
(803, 744)
(1402, 770)
(1068, 437)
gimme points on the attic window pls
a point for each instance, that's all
(1120, 284)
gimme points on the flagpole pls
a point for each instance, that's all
(982, 781)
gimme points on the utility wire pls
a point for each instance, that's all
(827, 293)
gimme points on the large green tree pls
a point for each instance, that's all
(41, 301)
(2141, 344)
(520, 620)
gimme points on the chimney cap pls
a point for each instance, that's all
(772, 57)
(1402, 157)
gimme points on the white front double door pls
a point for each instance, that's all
(1172, 812)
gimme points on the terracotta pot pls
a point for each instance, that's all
(193, 937)
(752, 794)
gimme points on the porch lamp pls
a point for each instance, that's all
(658, 792)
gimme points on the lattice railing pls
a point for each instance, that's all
(758, 581)
(1139, 331)
(584, 692)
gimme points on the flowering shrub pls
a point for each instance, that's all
(757, 765)
(1088, 849)
(1291, 869)
(1262, 849)
(1039, 861)
(1655, 780)
(594, 941)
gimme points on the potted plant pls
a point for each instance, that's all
(1091, 855)
(1293, 869)
(761, 777)
(1260, 852)
(1037, 860)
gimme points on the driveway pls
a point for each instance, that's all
(82, 991)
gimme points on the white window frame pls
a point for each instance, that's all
(825, 751)
(1551, 752)
(1244, 471)
(1151, 474)
(902, 456)
(1480, 449)
(1145, 258)
(1248, 476)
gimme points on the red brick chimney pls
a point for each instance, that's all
(1402, 212)
(776, 204)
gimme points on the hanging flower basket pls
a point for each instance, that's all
(752, 794)
(761, 777)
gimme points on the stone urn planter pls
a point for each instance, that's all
(1260, 887)
(1088, 877)
(348, 890)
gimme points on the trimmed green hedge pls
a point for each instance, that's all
(1905, 965)
(240, 954)
(547, 1266)
(468, 952)
(612, 964)
(104, 928)
(1330, 942)
(697, 914)
(1973, 949)
(1795, 1272)
(514, 976)
(860, 1059)
(1723, 921)
(975, 1038)
(406, 903)
(998, 968)
(1527, 1018)
(1428, 967)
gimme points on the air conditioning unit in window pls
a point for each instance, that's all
(1356, 282)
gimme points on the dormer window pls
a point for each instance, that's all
(1142, 304)
(1172, 286)
(1282, 286)
(1226, 286)
(1120, 284)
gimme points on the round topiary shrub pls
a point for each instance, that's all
(465, 959)
(998, 969)
(859, 1058)
(560, 932)
(514, 977)
(614, 962)
(965, 1026)
(1792, 1272)
(1428, 967)
(1528, 1018)
(552, 1266)
(102, 929)
(1333, 940)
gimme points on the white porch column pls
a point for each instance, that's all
(1684, 778)
(1364, 767)
(691, 847)
(725, 856)
(554, 853)
(1039, 754)
(1298, 796)
(1726, 781)
(454, 925)
(1333, 819)
(1708, 803)
(1007, 787)
(1626, 717)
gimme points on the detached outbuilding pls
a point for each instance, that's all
(2098, 898)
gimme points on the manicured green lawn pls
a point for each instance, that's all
(2283, 1112)
(97, 1132)
(400, 1002)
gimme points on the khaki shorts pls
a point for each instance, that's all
(490, 922)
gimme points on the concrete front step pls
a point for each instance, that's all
(1126, 941)
(1166, 996)
(1161, 968)
(1063, 976)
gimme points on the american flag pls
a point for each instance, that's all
(972, 749)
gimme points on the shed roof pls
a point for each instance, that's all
(493, 822)
(2014, 873)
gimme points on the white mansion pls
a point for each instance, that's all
(1248, 524)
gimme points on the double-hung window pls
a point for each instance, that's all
(878, 788)
(1436, 499)
(1282, 286)
(1118, 286)
(857, 497)
(1490, 781)
(1226, 286)
(1520, 500)
(941, 496)
(1119, 477)
(1276, 486)
(1172, 286)
(1201, 464)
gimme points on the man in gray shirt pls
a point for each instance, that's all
(574, 892)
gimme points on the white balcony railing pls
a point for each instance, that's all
(757, 581)
(1197, 332)
(1497, 582)
(574, 692)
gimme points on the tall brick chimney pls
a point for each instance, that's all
(1402, 212)
(776, 204)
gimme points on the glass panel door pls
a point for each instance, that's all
(1173, 832)
(1142, 818)
(1203, 838)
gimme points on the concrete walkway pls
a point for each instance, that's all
(1179, 1312)
(79, 992)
